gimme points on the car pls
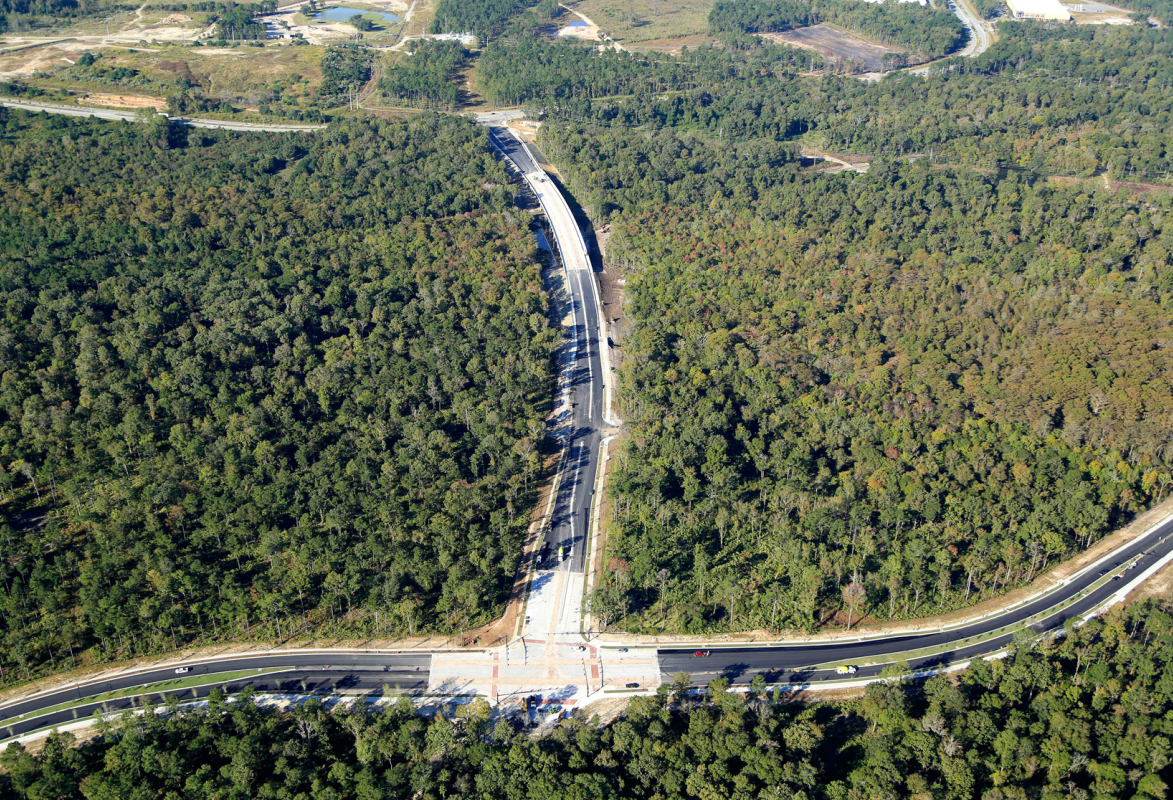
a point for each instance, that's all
(528, 619)
(183, 670)
(581, 649)
(621, 650)
(633, 686)
(701, 654)
(846, 669)
(539, 558)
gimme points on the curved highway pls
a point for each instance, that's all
(583, 400)
(795, 663)
(284, 672)
(979, 35)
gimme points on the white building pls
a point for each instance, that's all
(1038, 9)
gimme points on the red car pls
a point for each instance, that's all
(700, 654)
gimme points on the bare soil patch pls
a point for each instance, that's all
(608, 709)
(1131, 187)
(27, 61)
(123, 101)
(833, 43)
(1159, 585)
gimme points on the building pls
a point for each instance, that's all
(1038, 9)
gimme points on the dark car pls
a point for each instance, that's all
(633, 686)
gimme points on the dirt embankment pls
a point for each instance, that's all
(122, 101)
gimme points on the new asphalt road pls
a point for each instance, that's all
(292, 672)
(794, 663)
(580, 428)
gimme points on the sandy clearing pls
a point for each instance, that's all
(1159, 585)
(123, 101)
(588, 31)
(23, 63)
(834, 44)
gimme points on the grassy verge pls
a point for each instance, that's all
(985, 637)
(190, 682)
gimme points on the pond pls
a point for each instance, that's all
(342, 14)
(578, 23)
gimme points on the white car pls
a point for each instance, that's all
(846, 669)
(183, 670)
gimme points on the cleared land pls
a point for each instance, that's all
(835, 44)
(674, 44)
(237, 74)
(643, 20)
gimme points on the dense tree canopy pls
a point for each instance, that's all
(1088, 715)
(487, 19)
(930, 382)
(426, 76)
(550, 74)
(260, 380)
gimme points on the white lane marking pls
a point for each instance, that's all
(602, 336)
(590, 366)
(574, 489)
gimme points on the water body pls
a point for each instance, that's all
(343, 14)
(578, 23)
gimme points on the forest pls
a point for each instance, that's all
(930, 30)
(924, 382)
(488, 19)
(345, 70)
(1085, 715)
(1068, 100)
(551, 76)
(426, 77)
(234, 23)
(1162, 10)
(256, 385)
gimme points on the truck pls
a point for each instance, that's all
(561, 553)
